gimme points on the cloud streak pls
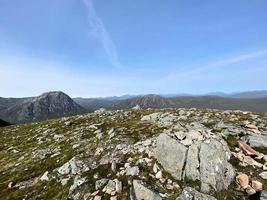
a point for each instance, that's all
(97, 27)
(218, 64)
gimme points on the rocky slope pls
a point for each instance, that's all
(46, 106)
(180, 154)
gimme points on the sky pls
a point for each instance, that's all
(92, 48)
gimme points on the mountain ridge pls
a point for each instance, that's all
(45, 106)
(56, 104)
(157, 101)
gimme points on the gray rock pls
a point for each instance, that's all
(118, 185)
(132, 171)
(64, 181)
(110, 187)
(141, 192)
(171, 155)
(111, 133)
(215, 170)
(78, 181)
(180, 135)
(192, 162)
(195, 126)
(137, 107)
(152, 117)
(164, 119)
(257, 141)
(263, 175)
(68, 123)
(99, 184)
(73, 166)
(263, 195)
(113, 198)
(14, 149)
(192, 194)
(44, 177)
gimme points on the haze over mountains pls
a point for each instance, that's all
(57, 104)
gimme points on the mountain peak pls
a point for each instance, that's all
(146, 101)
(53, 93)
(48, 105)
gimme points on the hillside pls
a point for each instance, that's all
(137, 154)
(251, 94)
(57, 104)
(145, 101)
(156, 101)
(92, 104)
(214, 102)
(46, 106)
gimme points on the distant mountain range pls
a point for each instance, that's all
(245, 95)
(241, 95)
(156, 101)
(57, 104)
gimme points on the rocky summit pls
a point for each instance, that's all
(46, 106)
(137, 154)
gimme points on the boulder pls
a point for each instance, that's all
(141, 192)
(192, 162)
(242, 180)
(99, 184)
(250, 191)
(257, 186)
(164, 119)
(206, 161)
(110, 187)
(247, 149)
(215, 170)
(73, 167)
(44, 177)
(137, 107)
(256, 141)
(171, 155)
(263, 195)
(78, 181)
(132, 171)
(263, 175)
(192, 194)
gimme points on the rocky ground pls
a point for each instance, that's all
(181, 154)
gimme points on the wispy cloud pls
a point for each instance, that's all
(217, 64)
(97, 27)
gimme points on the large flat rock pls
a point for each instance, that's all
(204, 160)
(141, 192)
(171, 155)
(215, 170)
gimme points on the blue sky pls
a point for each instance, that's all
(95, 48)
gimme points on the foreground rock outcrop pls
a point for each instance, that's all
(191, 194)
(205, 160)
(171, 155)
(137, 154)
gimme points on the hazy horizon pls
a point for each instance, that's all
(142, 94)
(89, 48)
